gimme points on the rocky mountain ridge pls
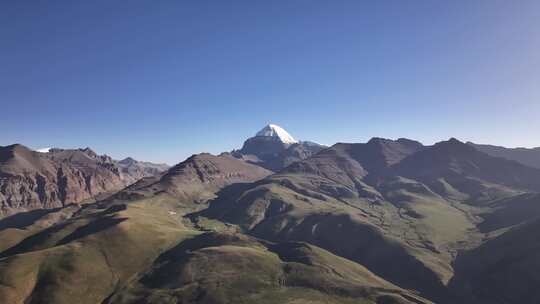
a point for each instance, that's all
(33, 180)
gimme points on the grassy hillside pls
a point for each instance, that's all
(146, 251)
(87, 257)
(233, 268)
(409, 238)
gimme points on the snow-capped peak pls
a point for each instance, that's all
(277, 131)
(43, 150)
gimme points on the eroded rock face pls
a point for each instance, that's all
(32, 180)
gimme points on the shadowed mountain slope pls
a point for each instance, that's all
(348, 164)
(503, 270)
(454, 167)
(529, 157)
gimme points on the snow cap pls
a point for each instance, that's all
(277, 131)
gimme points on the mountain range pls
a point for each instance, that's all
(277, 221)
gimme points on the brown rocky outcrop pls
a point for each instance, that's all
(32, 180)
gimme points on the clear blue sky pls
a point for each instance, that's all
(161, 80)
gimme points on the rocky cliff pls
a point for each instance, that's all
(31, 180)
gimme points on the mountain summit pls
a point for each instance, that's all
(276, 131)
(273, 148)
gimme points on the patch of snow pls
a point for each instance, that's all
(277, 131)
(43, 150)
